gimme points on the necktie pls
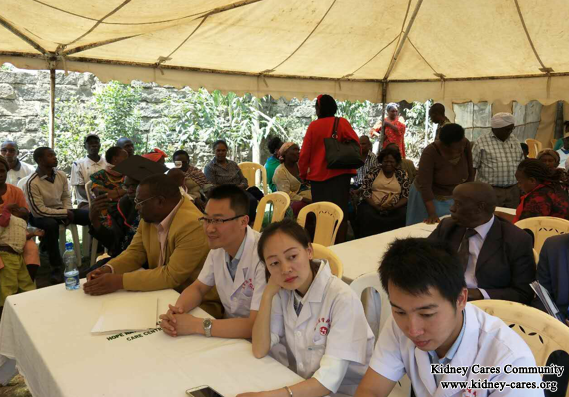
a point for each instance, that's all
(297, 306)
(463, 250)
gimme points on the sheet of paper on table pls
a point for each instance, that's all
(125, 313)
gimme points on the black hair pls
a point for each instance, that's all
(533, 168)
(220, 141)
(438, 108)
(122, 141)
(525, 148)
(274, 144)
(417, 264)
(112, 152)
(238, 199)
(389, 152)
(291, 229)
(180, 152)
(451, 133)
(162, 185)
(328, 106)
(40, 152)
(89, 137)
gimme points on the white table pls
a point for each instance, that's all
(363, 255)
(47, 331)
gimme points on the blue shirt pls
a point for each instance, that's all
(233, 263)
(450, 354)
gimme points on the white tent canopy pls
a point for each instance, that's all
(447, 50)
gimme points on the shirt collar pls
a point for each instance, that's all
(18, 166)
(45, 176)
(483, 229)
(498, 139)
(453, 349)
(166, 222)
(239, 253)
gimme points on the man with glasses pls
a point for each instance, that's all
(232, 266)
(169, 238)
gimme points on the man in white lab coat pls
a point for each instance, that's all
(435, 336)
(232, 266)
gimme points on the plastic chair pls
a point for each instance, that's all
(249, 171)
(328, 219)
(76, 243)
(280, 202)
(543, 227)
(534, 146)
(94, 243)
(536, 257)
(542, 333)
(379, 317)
(321, 252)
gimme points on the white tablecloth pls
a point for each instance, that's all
(48, 333)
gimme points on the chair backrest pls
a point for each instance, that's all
(280, 202)
(249, 171)
(534, 146)
(543, 227)
(328, 219)
(382, 308)
(88, 187)
(536, 257)
(542, 333)
(321, 252)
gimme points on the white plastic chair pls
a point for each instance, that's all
(336, 266)
(371, 284)
(543, 227)
(94, 243)
(249, 170)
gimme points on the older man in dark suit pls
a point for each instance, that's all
(497, 256)
(553, 271)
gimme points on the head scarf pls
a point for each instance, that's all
(501, 120)
(550, 152)
(283, 149)
(392, 105)
(155, 155)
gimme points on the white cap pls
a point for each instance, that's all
(501, 120)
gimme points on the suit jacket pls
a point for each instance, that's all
(553, 270)
(505, 266)
(186, 251)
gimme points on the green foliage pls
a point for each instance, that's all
(358, 114)
(416, 135)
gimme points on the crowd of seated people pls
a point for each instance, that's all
(190, 230)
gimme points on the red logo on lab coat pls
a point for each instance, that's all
(469, 393)
(323, 325)
(248, 284)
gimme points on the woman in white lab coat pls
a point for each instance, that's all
(318, 318)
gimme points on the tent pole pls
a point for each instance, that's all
(52, 106)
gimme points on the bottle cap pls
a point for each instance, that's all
(68, 246)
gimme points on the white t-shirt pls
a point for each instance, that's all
(15, 176)
(81, 172)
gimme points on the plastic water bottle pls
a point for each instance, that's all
(71, 272)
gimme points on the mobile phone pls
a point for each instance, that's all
(202, 391)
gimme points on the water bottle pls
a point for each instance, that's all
(71, 272)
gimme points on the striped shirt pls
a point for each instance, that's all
(370, 162)
(496, 161)
(229, 175)
(196, 175)
(48, 197)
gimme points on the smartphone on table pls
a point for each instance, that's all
(202, 391)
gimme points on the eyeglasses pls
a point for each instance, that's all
(138, 203)
(210, 221)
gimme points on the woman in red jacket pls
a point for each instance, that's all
(326, 184)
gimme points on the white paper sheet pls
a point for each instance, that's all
(124, 313)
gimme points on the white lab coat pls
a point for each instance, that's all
(244, 294)
(331, 322)
(487, 341)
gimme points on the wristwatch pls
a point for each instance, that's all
(207, 323)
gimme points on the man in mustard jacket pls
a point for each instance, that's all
(169, 238)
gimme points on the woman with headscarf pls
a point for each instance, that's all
(551, 159)
(156, 155)
(287, 178)
(327, 184)
(394, 129)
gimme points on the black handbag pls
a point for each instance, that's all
(342, 155)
